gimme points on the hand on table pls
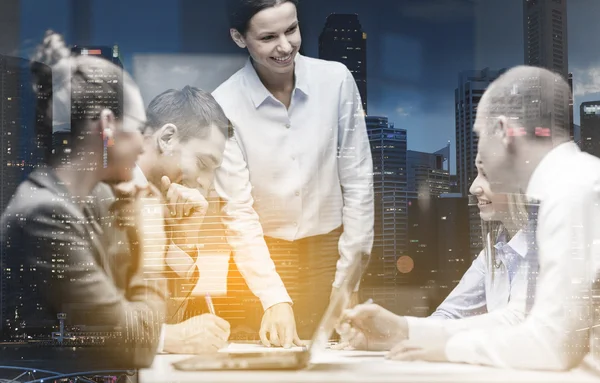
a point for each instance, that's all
(278, 321)
(431, 350)
(203, 333)
(371, 327)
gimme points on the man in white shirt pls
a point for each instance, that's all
(493, 291)
(522, 123)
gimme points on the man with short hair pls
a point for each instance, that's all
(183, 144)
(522, 123)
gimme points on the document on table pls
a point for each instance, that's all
(320, 356)
(254, 347)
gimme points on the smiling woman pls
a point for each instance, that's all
(269, 30)
(297, 172)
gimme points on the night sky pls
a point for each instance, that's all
(415, 47)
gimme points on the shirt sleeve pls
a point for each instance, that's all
(466, 299)
(180, 261)
(244, 232)
(355, 168)
(512, 314)
(555, 335)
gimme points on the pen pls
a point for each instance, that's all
(209, 303)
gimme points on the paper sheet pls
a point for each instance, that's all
(213, 270)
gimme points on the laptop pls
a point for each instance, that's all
(284, 359)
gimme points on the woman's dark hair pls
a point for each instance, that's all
(240, 12)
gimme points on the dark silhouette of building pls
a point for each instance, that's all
(590, 127)
(10, 30)
(81, 22)
(61, 130)
(471, 86)
(388, 148)
(454, 188)
(26, 140)
(571, 116)
(426, 174)
(545, 35)
(439, 242)
(546, 44)
(343, 40)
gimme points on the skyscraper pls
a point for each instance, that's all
(545, 34)
(452, 217)
(426, 174)
(61, 129)
(438, 233)
(388, 148)
(590, 127)
(571, 100)
(343, 40)
(471, 86)
(81, 22)
(546, 43)
(25, 139)
(10, 31)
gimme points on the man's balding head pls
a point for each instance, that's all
(522, 115)
(533, 101)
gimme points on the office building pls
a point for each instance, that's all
(10, 27)
(108, 53)
(454, 188)
(388, 148)
(546, 43)
(61, 129)
(453, 240)
(577, 135)
(545, 35)
(590, 127)
(571, 115)
(343, 40)
(438, 233)
(81, 22)
(426, 173)
(471, 86)
(25, 145)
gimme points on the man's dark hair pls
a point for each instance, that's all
(240, 12)
(191, 109)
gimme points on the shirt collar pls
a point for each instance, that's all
(259, 93)
(138, 177)
(543, 174)
(517, 244)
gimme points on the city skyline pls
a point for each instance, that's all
(412, 65)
